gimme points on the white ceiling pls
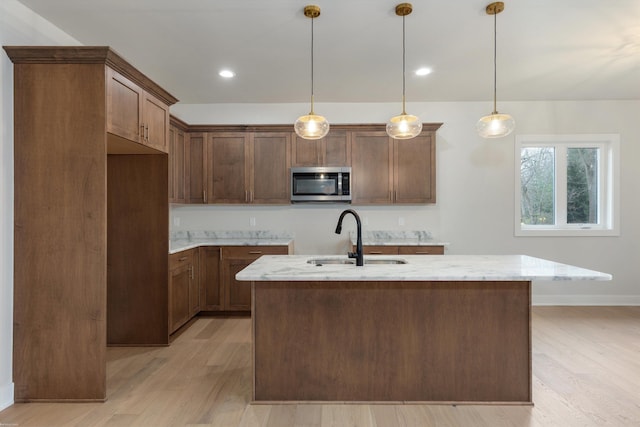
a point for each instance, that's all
(547, 50)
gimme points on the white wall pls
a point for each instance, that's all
(18, 26)
(475, 190)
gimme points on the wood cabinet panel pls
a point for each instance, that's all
(134, 114)
(124, 101)
(414, 170)
(270, 168)
(195, 167)
(421, 250)
(179, 282)
(237, 295)
(210, 279)
(372, 163)
(227, 172)
(156, 122)
(332, 150)
(177, 165)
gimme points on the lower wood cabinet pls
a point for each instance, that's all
(402, 250)
(184, 292)
(204, 279)
(237, 295)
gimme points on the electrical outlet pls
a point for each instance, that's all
(176, 221)
(401, 221)
(365, 221)
(252, 221)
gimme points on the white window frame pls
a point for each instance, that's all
(608, 185)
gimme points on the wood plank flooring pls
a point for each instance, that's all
(586, 372)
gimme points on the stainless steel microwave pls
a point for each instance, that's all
(321, 184)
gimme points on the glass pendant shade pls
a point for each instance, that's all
(404, 126)
(495, 125)
(311, 126)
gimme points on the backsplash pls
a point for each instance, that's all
(420, 235)
(237, 234)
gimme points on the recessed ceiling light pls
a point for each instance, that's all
(423, 71)
(227, 74)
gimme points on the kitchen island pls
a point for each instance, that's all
(450, 328)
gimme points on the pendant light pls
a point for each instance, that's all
(311, 126)
(404, 126)
(495, 125)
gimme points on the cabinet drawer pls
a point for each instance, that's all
(253, 251)
(379, 250)
(181, 258)
(421, 250)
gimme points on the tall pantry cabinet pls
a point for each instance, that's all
(91, 220)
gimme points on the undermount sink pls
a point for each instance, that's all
(322, 261)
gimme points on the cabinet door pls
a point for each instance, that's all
(270, 158)
(155, 119)
(332, 150)
(371, 157)
(210, 288)
(414, 170)
(194, 167)
(305, 152)
(336, 149)
(177, 162)
(237, 294)
(421, 250)
(227, 179)
(179, 280)
(195, 303)
(124, 102)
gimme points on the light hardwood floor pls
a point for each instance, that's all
(586, 372)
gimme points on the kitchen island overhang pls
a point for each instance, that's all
(446, 329)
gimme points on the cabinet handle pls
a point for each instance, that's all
(422, 253)
(375, 253)
(255, 252)
(142, 130)
(146, 132)
(184, 258)
(192, 275)
(204, 196)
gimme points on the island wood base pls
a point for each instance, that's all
(459, 342)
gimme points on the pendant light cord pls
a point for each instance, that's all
(495, 62)
(403, 69)
(311, 113)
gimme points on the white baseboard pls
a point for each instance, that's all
(6, 395)
(585, 300)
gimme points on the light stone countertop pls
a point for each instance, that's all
(184, 240)
(396, 238)
(418, 268)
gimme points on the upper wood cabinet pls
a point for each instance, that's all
(270, 162)
(332, 150)
(247, 167)
(135, 114)
(177, 164)
(227, 167)
(388, 171)
(372, 167)
(195, 166)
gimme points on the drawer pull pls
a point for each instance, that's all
(375, 253)
(255, 252)
(184, 258)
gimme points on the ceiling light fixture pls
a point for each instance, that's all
(227, 74)
(495, 125)
(311, 126)
(423, 71)
(404, 126)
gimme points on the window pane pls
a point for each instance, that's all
(537, 185)
(582, 185)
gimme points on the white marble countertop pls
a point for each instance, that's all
(417, 268)
(397, 238)
(183, 241)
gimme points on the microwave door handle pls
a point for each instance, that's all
(339, 183)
